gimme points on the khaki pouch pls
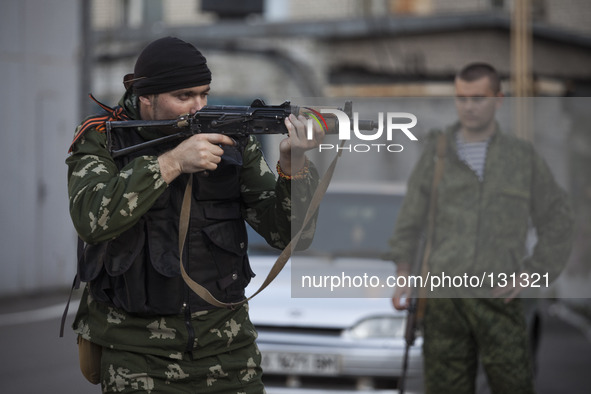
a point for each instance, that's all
(90, 360)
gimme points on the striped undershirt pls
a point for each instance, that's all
(473, 154)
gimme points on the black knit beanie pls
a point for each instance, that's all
(168, 64)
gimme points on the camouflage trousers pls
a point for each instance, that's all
(237, 372)
(459, 332)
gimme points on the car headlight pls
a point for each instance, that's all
(378, 327)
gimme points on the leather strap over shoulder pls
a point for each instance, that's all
(440, 153)
(281, 260)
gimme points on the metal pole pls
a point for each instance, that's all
(86, 58)
(521, 52)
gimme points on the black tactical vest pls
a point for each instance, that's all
(139, 270)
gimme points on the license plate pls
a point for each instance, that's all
(300, 363)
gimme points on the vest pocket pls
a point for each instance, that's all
(163, 246)
(91, 264)
(129, 280)
(228, 243)
(115, 256)
(229, 236)
(124, 250)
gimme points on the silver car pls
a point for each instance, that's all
(315, 337)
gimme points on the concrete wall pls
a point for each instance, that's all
(38, 113)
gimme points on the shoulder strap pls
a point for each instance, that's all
(437, 175)
(440, 153)
(281, 260)
(75, 286)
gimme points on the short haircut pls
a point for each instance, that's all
(475, 71)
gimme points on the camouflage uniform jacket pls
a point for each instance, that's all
(482, 226)
(106, 201)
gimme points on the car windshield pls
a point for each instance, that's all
(349, 224)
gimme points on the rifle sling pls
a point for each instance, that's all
(437, 175)
(75, 286)
(281, 260)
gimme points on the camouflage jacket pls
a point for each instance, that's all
(106, 201)
(481, 227)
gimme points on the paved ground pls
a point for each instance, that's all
(565, 354)
(35, 359)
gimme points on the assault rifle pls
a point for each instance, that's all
(235, 121)
(416, 308)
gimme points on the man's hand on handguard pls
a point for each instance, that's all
(402, 295)
(201, 152)
(292, 149)
(510, 291)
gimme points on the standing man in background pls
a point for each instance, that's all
(493, 185)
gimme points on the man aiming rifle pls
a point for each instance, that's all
(140, 327)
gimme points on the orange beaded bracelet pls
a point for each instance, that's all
(301, 174)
